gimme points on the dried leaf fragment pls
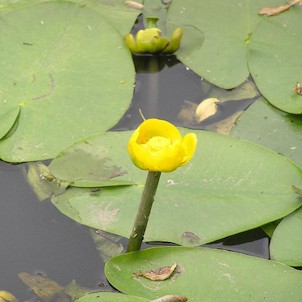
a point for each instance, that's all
(134, 4)
(206, 108)
(298, 88)
(275, 10)
(158, 274)
(171, 298)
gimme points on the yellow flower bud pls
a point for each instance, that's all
(175, 41)
(149, 40)
(6, 296)
(156, 145)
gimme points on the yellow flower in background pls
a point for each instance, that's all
(156, 145)
(150, 40)
(6, 296)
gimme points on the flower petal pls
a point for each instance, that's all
(189, 143)
(157, 145)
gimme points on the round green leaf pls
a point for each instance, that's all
(89, 165)
(264, 124)
(273, 60)
(60, 63)
(229, 186)
(226, 26)
(204, 274)
(286, 243)
(110, 297)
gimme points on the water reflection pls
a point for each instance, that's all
(36, 237)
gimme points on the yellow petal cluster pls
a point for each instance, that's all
(6, 296)
(156, 145)
(150, 40)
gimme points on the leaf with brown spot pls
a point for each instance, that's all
(158, 274)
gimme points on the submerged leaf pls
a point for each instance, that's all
(42, 286)
(43, 183)
(107, 245)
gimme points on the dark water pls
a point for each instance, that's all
(36, 237)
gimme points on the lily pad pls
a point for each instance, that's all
(60, 63)
(264, 124)
(227, 26)
(110, 297)
(204, 274)
(89, 165)
(229, 186)
(273, 59)
(8, 117)
(286, 243)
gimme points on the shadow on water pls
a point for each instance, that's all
(36, 237)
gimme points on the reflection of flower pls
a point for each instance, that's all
(157, 145)
(149, 40)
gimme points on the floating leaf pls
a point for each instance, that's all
(89, 165)
(171, 298)
(273, 59)
(61, 67)
(208, 275)
(228, 187)
(286, 242)
(297, 190)
(221, 59)
(8, 117)
(110, 297)
(264, 124)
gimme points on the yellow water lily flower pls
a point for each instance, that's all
(156, 145)
(150, 40)
(6, 296)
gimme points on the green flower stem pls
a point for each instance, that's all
(151, 22)
(151, 92)
(142, 216)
